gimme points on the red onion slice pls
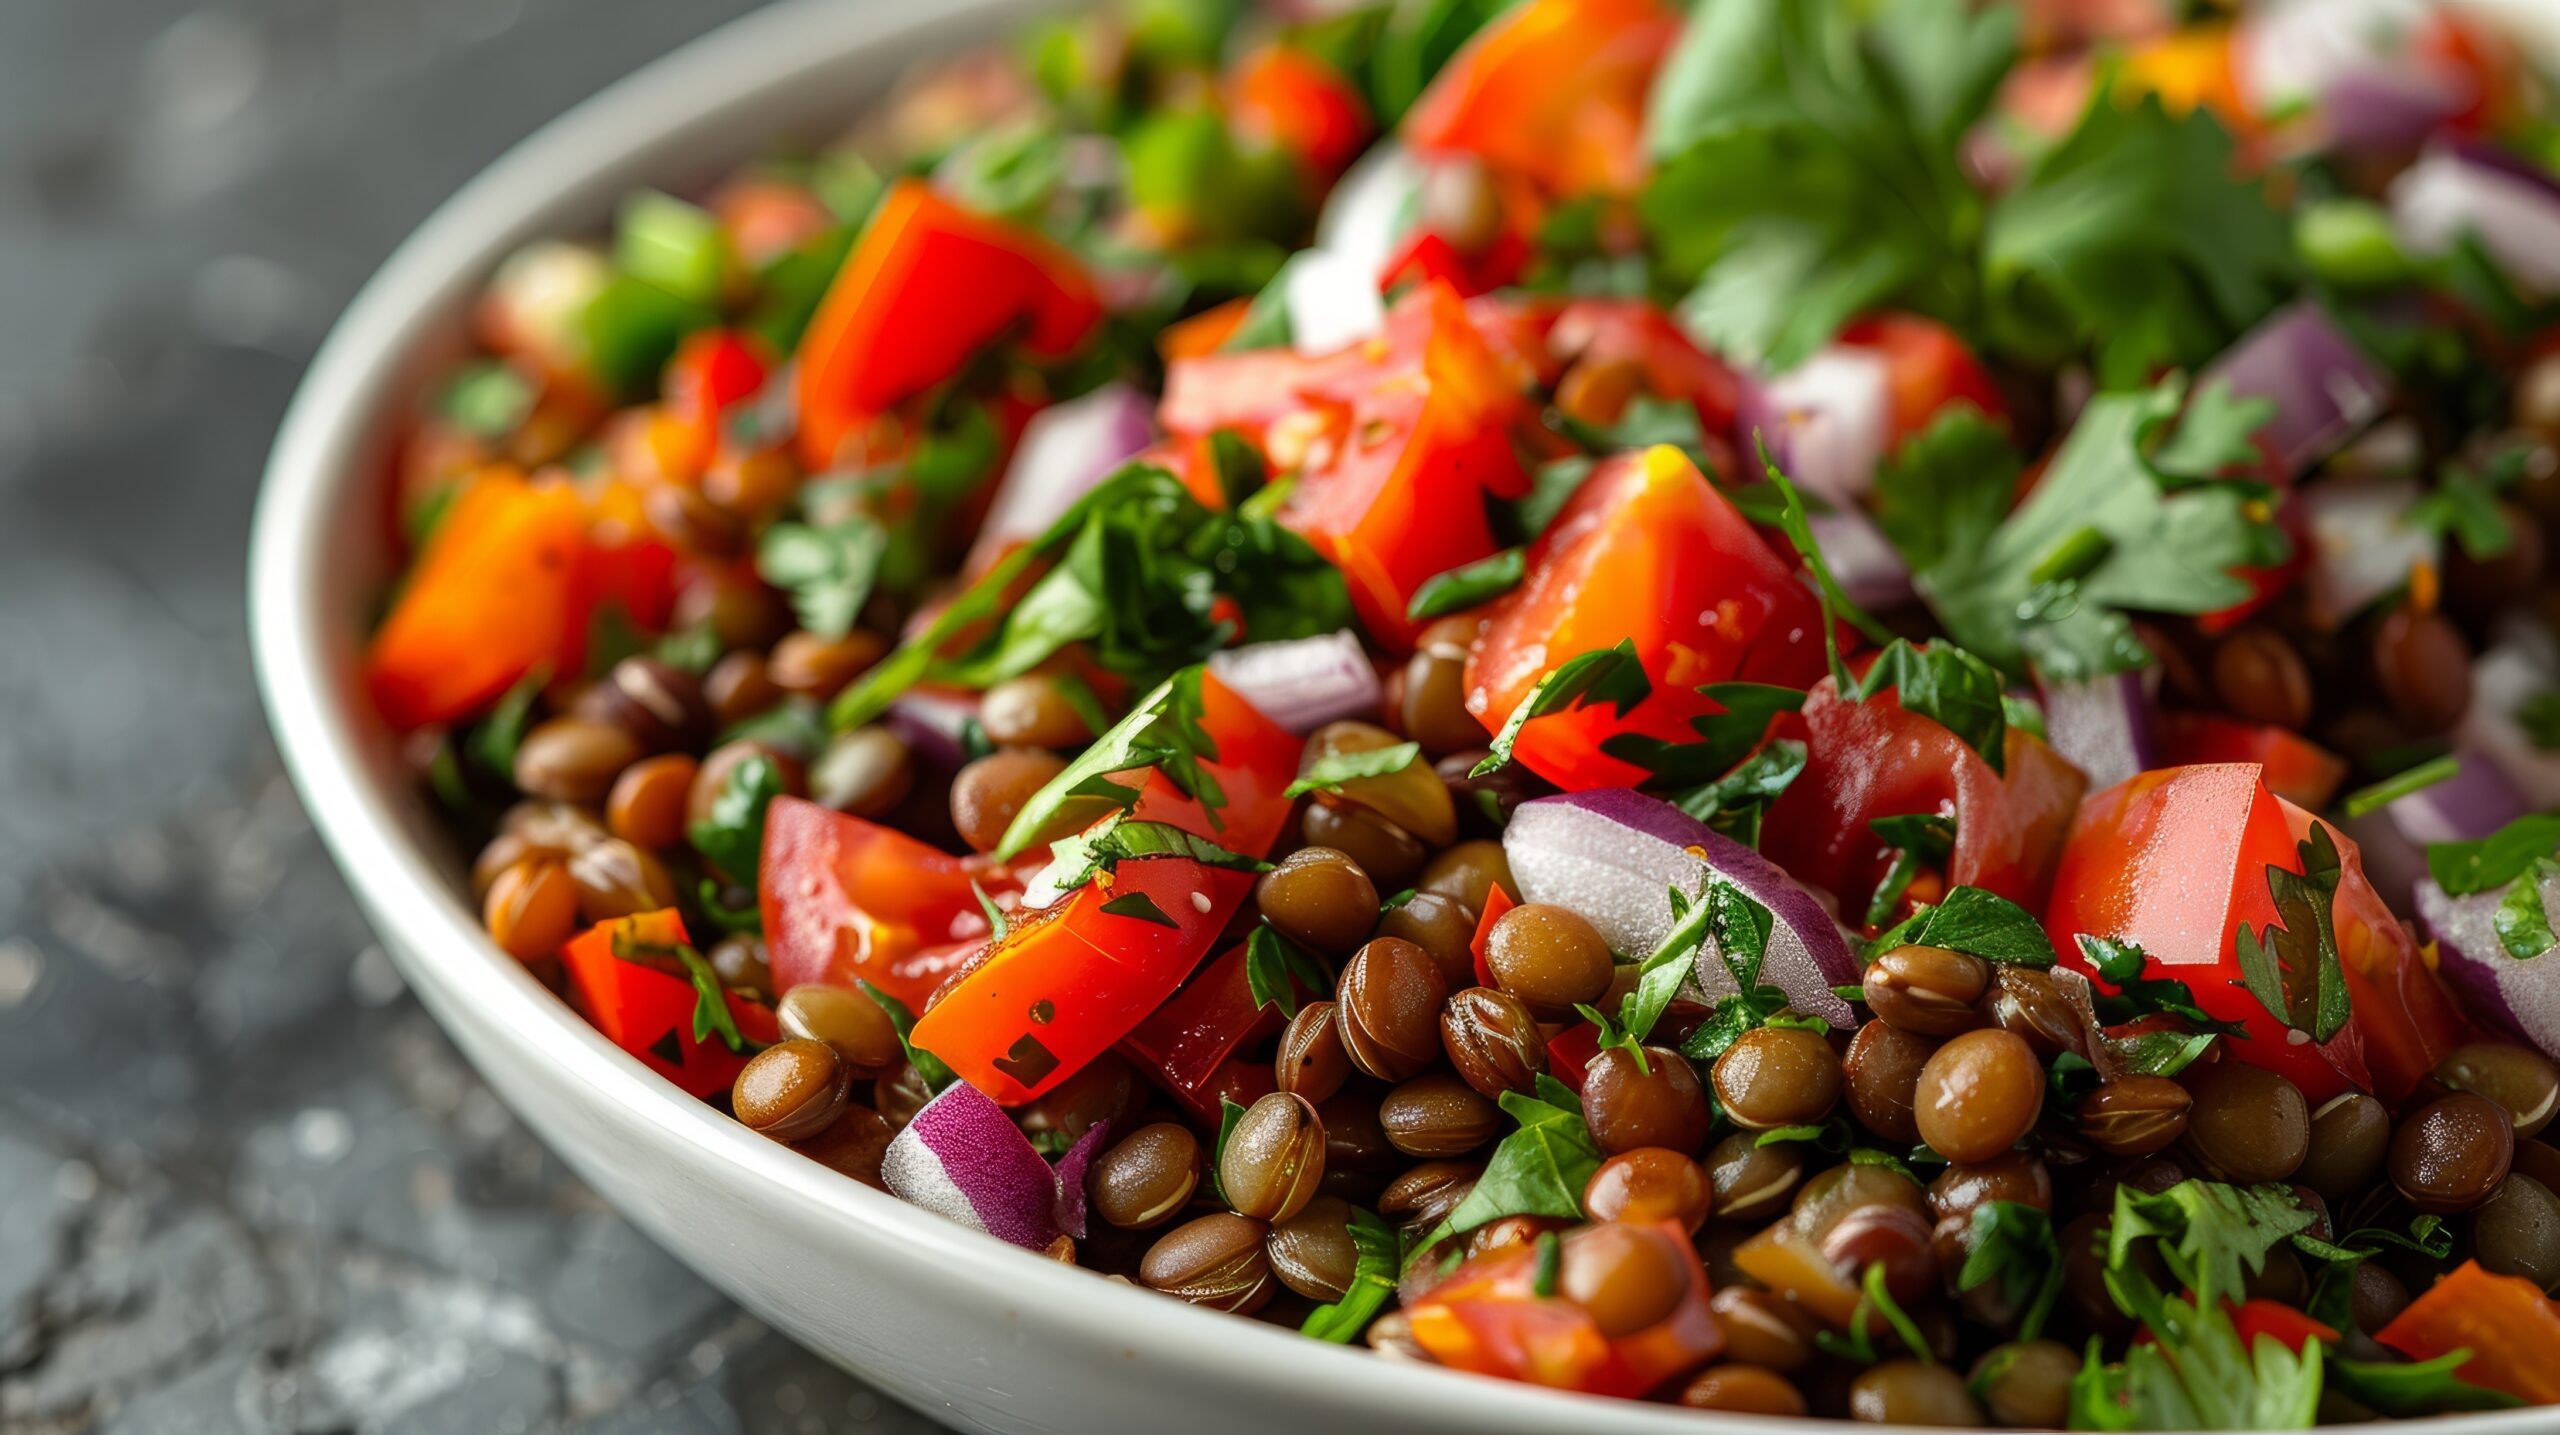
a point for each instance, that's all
(934, 723)
(1826, 421)
(2512, 209)
(2362, 544)
(963, 1158)
(1332, 300)
(1372, 206)
(1612, 854)
(2516, 667)
(1303, 683)
(1870, 569)
(2107, 727)
(2521, 994)
(1066, 449)
(2324, 387)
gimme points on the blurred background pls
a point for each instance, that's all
(245, 1185)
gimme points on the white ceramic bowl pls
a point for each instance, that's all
(974, 1331)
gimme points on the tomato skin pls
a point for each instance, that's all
(649, 1013)
(1186, 1045)
(846, 901)
(927, 287)
(2175, 860)
(1645, 550)
(1871, 759)
(493, 597)
(1487, 1317)
(1927, 370)
(2405, 1016)
(1554, 91)
(1285, 96)
(1641, 333)
(2295, 768)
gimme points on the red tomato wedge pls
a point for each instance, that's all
(2408, 1020)
(1074, 978)
(927, 288)
(1488, 1317)
(846, 901)
(1927, 369)
(2296, 768)
(649, 1013)
(2175, 860)
(1554, 91)
(1871, 759)
(493, 597)
(1645, 550)
(1287, 97)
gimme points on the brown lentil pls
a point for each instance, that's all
(2517, 1077)
(1441, 926)
(1468, 873)
(1777, 1076)
(1387, 1009)
(1390, 855)
(1650, 1183)
(1549, 957)
(847, 1019)
(1312, 1252)
(1881, 1074)
(1977, 1095)
(646, 807)
(1311, 1061)
(1216, 1260)
(990, 792)
(1492, 1041)
(1032, 711)
(2259, 676)
(2248, 1124)
(2349, 1140)
(866, 772)
(1657, 1103)
(1436, 1115)
(574, 759)
(2451, 1153)
(1147, 1177)
(791, 1090)
(1319, 898)
(1747, 1389)
(2134, 1115)
(531, 909)
(657, 702)
(1927, 990)
(1273, 1159)
(2422, 663)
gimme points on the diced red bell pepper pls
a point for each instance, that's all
(1871, 759)
(1280, 95)
(1487, 1317)
(2175, 860)
(1570, 1053)
(1645, 550)
(1186, 1045)
(928, 288)
(491, 599)
(2296, 768)
(2278, 1321)
(846, 901)
(1553, 90)
(712, 369)
(1496, 902)
(1069, 981)
(649, 1013)
(2511, 1329)
(1425, 258)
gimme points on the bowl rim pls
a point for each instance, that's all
(695, 94)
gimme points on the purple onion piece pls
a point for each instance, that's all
(1871, 571)
(2362, 544)
(2392, 863)
(2522, 994)
(2516, 667)
(934, 725)
(1612, 855)
(2107, 727)
(2324, 387)
(1303, 683)
(2373, 108)
(2476, 801)
(2510, 205)
(1826, 421)
(963, 1158)
(1066, 449)
(1070, 1170)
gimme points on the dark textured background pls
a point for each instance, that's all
(245, 1185)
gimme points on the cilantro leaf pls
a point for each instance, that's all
(1373, 1283)
(1735, 803)
(1612, 675)
(2136, 237)
(828, 569)
(2293, 970)
(1948, 686)
(2213, 1236)
(1917, 840)
(1161, 730)
(935, 1073)
(1537, 1170)
(1075, 859)
(1976, 923)
(1941, 496)
(1836, 605)
(1275, 968)
(2464, 504)
(732, 837)
(1725, 736)
(2013, 1243)
(1334, 769)
(2120, 964)
(2462, 868)
(1664, 970)
(1466, 587)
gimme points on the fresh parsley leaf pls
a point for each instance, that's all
(2213, 1236)
(1075, 859)
(1976, 923)
(2136, 236)
(2465, 504)
(1612, 675)
(1664, 970)
(1941, 496)
(2194, 1374)
(1275, 968)
(2215, 437)
(935, 1073)
(1948, 686)
(2013, 1243)
(1918, 840)
(827, 569)
(2120, 965)
(2406, 1389)
(2293, 970)
(2160, 1053)
(2522, 919)
(1739, 929)
(2462, 868)
(1373, 1283)
(1334, 769)
(732, 837)
(1736, 803)
(1794, 522)
(1139, 906)
(1161, 730)
(1537, 1170)
(493, 740)
(1725, 736)
(1462, 588)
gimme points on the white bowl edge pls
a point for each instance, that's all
(991, 1337)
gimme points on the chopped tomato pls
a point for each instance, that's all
(1871, 759)
(1186, 1045)
(1284, 96)
(493, 597)
(2175, 860)
(648, 1012)
(928, 288)
(1637, 332)
(1074, 978)
(712, 369)
(1645, 550)
(1426, 258)
(1488, 1317)
(846, 901)
(1927, 369)
(2296, 768)
(1402, 498)
(2408, 1020)
(2510, 1328)
(1553, 90)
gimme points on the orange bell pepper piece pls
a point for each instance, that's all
(2511, 1329)
(490, 600)
(927, 288)
(649, 1012)
(1287, 97)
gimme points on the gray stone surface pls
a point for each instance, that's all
(245, 1186)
